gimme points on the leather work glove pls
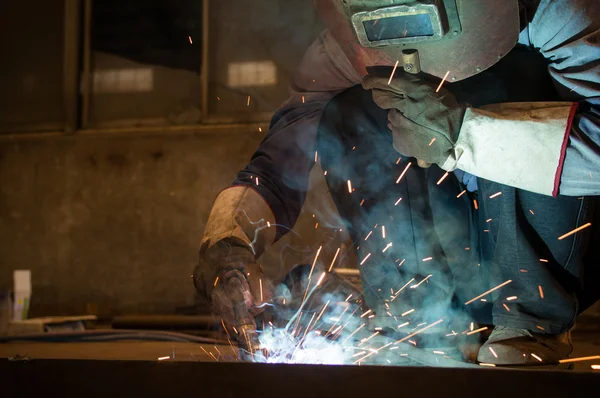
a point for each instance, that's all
(425, 124)
(229, 277)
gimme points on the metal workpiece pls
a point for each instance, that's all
(22, 377)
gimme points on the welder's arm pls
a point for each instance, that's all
(266, 197)
(549, 148)
(283, 160)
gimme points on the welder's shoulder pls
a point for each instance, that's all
(560, 22)
(325, 66)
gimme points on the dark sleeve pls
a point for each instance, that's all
(284, 158)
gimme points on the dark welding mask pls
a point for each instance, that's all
(463, 37)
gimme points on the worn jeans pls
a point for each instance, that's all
(468, 243)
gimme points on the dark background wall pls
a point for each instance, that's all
(115, 221)
(110, 223)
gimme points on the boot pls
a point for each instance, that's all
(518, 347)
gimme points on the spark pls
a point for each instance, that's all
(190, 39)
(216, 281)
(524, 270)
(477, 330)
(359, 354)
(402, 288)
(541, 291)
(369, 235)
(393, 72)
(543, 260)
(467, 248)
(439, 352)
(580, 359)
(511, 298)
(260, 129)
(334, 258)
(472, 326)
(419, 331)
(398, 201)
(366, 313)
(531, 211)
(539, 327)
(506, 306)
(325, 173)
(402, 325)
(348, 298)
(452, 334)
(489, 291)
(461, 194)
(353, 333)
(427, 259)
(495, 195)
(383, 231)
(493, 352)
(432, 141)
(218, 99)
(408, 312)
(419, 284)
(442, 82)
(387, 247)
(596, 367)
(443, 178)
(248, 101)
(488, 220)
(303, 99)
(365, 259)
(320, 279)
(536, 357)
(491, 365)
(398, 161)
(400, 265)
(268, 224)
(256, 180)
(575, 231)
(475, 204)
(322, 311)
(164, 358)
(362, 202)
(261, 290)
(316, 225)
(363, 341)
(314, 262)
(349, 186)
(316, 156)
(404, 172)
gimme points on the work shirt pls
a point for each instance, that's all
(565, 32)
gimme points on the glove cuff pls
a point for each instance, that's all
(522, 145)
(240, 213)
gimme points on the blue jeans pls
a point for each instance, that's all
(434, 230)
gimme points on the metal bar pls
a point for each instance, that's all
(71, 64)
(88, 378)
(87, 64)
(205, 54)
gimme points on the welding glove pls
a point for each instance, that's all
(521, 144)
(237, 230)
(425, 124)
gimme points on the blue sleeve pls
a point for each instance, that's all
(567, 33)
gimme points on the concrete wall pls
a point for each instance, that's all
(116, 221)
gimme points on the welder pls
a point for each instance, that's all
(394, 95)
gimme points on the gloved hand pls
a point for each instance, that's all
(425, 124)
(229, 277)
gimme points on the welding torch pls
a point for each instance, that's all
(247, 335)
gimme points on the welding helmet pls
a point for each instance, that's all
(463, 37)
